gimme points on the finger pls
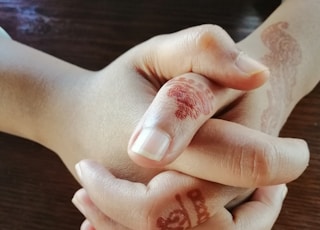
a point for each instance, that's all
(170, 199)
(86, 225)
(179, 109)
(4, 34)
(259, 213)
(96, 220)
(207, 50)
(235, 155)
(263, 210)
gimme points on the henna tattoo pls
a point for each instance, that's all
(179, 219)
(283, 58)
(192, 98)
(199, 205)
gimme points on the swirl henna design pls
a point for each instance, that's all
(179, 219)
(283, 58)
(192, 98)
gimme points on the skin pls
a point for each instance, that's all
(64, 119)
(50, 101)
(192, 99)
(293, 76)
(184, 209)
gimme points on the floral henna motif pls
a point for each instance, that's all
(193, 99)
(283, 58)
(179, 219)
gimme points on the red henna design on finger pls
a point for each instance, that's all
(200, 205)
(192, 98)
(283, 58)
(178, 219)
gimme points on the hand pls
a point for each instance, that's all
(170, 201)
(220, 134)
(89, 126)
(77, 114)
(277, 114)
(92, 129)
(81, 114)
(107, 106)
(67, 120)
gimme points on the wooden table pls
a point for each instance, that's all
(35, 187)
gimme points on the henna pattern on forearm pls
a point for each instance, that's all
(179, 218)
(192, 98)
(283, 58)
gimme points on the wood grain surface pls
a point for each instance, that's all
(35, 187)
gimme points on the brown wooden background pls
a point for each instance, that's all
(35, 187)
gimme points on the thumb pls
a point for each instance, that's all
(207, 50)
(179, 109)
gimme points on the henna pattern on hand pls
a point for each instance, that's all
(192, 98)
(283, 58)
(199, 205)
(179, 219)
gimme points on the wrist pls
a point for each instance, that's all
(280, 43)
(33, 85)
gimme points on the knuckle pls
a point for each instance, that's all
(263, 163)
(214, 37)
(208, 36)
(212, 28)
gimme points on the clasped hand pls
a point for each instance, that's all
(186, 170)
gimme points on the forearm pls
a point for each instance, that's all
(287, 43)
(34, 88)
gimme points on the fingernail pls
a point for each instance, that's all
(78, 204)
(284, 192)
(3, 33)
(86, 225)
(249, 65)
(151, 143)
(78, 170)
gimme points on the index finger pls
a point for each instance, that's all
(232, 154)
(170, 199)
(207, 50)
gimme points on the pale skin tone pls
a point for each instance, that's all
(51, 102)
(67, 120)
(296, 59)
